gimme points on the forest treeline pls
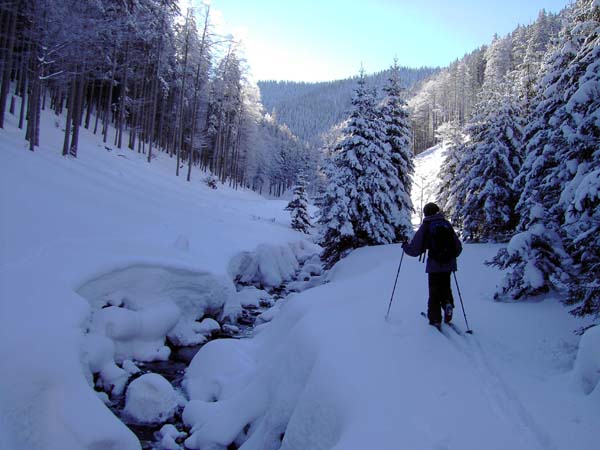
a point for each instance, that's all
(311, 110)
(148, 77)
(522, 163)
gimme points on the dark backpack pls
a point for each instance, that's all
(440, 241)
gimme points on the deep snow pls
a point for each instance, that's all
(99, 256)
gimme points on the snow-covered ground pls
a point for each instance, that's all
(104, 255)
(100, 258)
(425, 181)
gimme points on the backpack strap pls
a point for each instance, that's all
(425, 244)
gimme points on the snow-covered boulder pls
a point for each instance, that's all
(99, 354)
(251, 296)
(150, 399)
(190, 332)
(271, 265)
(587, 364)
(168, 437)
(137, 334)
(139, 306)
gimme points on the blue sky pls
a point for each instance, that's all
(329, 39)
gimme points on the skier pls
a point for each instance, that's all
(437, 235)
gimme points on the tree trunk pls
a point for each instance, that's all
(23, 89)
(98, 107)
(108, 111)
(34, 104)
(70, 102)
(123, 98)
(77, 112)
(90, 101)
(8, 59)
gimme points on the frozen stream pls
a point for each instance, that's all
(149, 321)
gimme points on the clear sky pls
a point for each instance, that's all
(308, 40)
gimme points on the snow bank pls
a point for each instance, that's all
(240, 394)
(587, 365)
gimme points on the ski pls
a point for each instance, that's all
(438, 327)
(450, 325)
(455, 328)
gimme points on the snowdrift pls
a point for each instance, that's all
(330, 373)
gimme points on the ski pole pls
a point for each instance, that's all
(469, 331)
(394, 290)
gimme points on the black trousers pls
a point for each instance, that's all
(440, 293)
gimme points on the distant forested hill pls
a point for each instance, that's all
(310, 109)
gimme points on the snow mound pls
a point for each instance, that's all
(587, 363)
(150, 399)
(271, 265)
(247, 391)
(139, 306)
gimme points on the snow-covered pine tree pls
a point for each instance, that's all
(488, 207)
(452, 137)
(299, 207)
(534, 256)
(577, 122)
(398, 136)
(359, 206)
(563, 155)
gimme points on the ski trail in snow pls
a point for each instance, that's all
(505, 398)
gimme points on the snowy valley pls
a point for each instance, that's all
(102, 267)
(194, 260)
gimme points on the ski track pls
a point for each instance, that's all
(502, 395)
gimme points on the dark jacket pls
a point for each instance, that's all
(418, 246)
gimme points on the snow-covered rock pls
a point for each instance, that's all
(271, 265)
(251, 296)
(150, 303)
(190, 332)
(137, 334)
(150, 399)
(168, 436)
(99, 353)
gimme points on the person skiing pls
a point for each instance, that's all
(438, 237)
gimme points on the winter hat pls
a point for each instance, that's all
(430, 209)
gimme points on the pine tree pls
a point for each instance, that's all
(359, 206)
(534, 257)
(576, 123)
(452, 137)
(299, 207)
(491, 195)
(563, 155)
(489, 165)
(398, 136)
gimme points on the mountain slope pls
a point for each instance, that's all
(310, 109)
